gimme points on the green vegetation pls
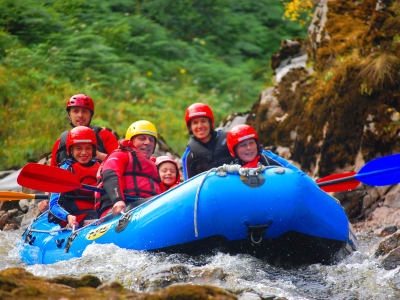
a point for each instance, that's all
(138, 59)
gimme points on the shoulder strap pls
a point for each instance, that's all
(61, 154)
(134, 157)
(100, 144)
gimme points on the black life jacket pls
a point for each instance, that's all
(61, 154)
(205, 158)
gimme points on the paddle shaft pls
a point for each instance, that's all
(334, 181)
(357, 176)
(102, 191)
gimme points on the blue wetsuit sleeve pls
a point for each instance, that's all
(184, 164)
(55, 208)
(280, 160)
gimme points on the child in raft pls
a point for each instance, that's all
(76, 208)
(244, 146)
(168, 171)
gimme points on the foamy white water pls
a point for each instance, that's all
(358, 276)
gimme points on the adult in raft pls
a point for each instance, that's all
(80, 109)
(245, 148)
(207, 147)
(76, 208)
(128, 170)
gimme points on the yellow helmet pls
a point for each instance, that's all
(141, 127)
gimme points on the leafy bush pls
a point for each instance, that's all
(136, 59)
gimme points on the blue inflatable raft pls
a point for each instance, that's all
(275, 213)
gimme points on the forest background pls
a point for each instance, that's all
(137, 59)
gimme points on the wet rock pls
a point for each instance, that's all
(392, 198)
(195, 293)
(10, 226)
(391, 260)
(9, 220)
(395, 282)
(388, 230)
(17, 283)
(351, 202)
(209, 275)
(378, 219)
(164, 278)
(289, 49)
(87, 280)
(388, 244)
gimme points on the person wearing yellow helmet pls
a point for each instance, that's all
(144, 136)
(129, 169)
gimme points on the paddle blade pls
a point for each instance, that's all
(47, 178)
(339, 187)
(381, 171)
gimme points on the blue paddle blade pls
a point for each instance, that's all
(381, 171)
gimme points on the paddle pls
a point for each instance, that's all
(381, 171)
(54, 180)
(328, 184)
(12, 196)
(15, 196)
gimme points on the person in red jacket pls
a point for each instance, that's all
(80, 109)
(168, 171)
(128, 170)
(76, 208)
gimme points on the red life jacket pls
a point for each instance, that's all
(139, 176)
(77, 207)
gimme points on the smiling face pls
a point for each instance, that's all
(144, 143)
(167, 171)
(80, 116)
(247, 150)
(83, 153)
(201, 129)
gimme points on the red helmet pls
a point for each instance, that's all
(238, 134)
(198, 110)
(81, 135)
(81, 100)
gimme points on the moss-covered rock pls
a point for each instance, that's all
(17, 283)
(346, 104)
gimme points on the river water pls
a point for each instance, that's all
(358, 276)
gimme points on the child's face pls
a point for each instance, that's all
(247, 150)
(83, 153)
(167, 173)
